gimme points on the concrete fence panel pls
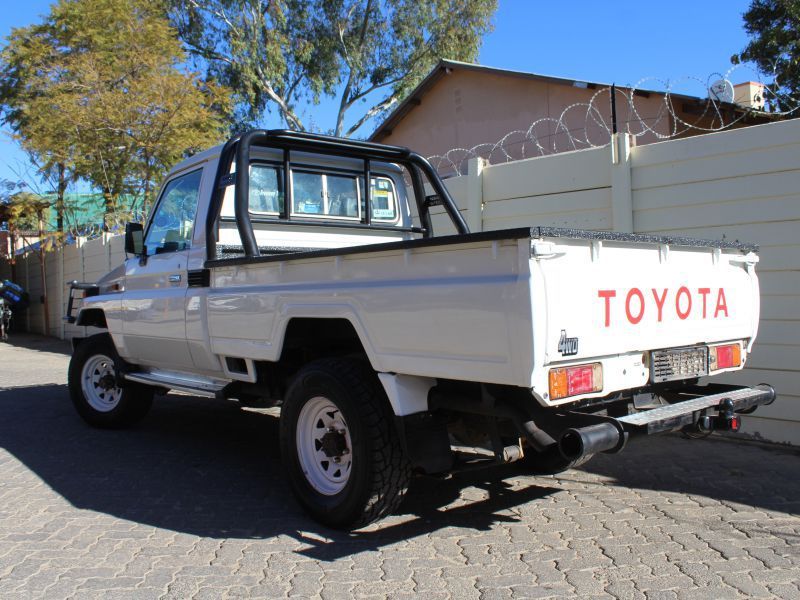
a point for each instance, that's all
(55, 291)
(745, 185)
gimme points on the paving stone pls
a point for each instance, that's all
(787, 591)
(192, 503)
(587, 582)
(745, 584)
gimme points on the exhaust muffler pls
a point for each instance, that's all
(577, 442)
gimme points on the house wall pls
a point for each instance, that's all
(466, 108)
(742, 184)
(460, 111)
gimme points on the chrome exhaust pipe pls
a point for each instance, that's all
(577, 442)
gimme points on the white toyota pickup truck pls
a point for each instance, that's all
(302, 271)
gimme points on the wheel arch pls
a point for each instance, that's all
(92, 317)
(342, 336)
(334, 335)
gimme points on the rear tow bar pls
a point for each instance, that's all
(610, 434)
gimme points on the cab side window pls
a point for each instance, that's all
(173, 220)
(266, 194)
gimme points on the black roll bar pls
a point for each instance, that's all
(239, 148)
(367, 193)
(419, 196)
(242, 191)
(217, 194)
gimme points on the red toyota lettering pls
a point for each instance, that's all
(634, 319)
(660, 301)
(683, 291)
(636, 303)
(722, 305)
(607, 295)
(704, 292)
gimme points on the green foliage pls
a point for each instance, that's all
(774, 28)
(21, 210)
(97, 91)
(284, 54)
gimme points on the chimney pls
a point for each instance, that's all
(749, 94)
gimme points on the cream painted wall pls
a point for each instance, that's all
(466, 108)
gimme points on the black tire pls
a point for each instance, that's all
(131, 403)
(379, 473)
(549, 462)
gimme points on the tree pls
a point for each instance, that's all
(774, 28)
(24, 210)
(22, 92)
(97, 91)
(285, 54)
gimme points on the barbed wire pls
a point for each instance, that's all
(591, 124)
(113, 222)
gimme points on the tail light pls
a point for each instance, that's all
(572, 381)
(725, 356)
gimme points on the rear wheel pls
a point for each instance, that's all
(343, 456)
(94, 391)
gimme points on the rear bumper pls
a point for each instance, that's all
(707, 408)
(689, 411)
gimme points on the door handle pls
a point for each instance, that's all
(175, 278)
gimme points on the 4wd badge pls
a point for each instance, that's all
(567, 346)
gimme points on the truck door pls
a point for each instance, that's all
(154, 322)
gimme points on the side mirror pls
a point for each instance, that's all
(134, 239)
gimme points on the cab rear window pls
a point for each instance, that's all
(317, 194)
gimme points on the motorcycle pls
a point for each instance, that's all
(5, 320)
(11, 295)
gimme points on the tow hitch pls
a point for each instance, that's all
(725, 419)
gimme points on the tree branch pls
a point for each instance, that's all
(288, 114)
(345, 102)
(380, 107)
(377, 86)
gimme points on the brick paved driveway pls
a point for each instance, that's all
(192, 503)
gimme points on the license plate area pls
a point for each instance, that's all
(678, 363)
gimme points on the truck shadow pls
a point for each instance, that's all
(210, 469)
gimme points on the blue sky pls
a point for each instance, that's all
(619, 41)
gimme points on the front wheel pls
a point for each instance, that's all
(94, 390)
(342, 453)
